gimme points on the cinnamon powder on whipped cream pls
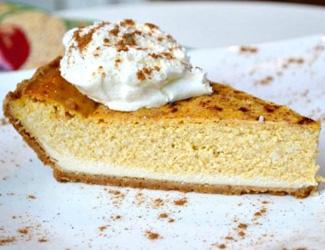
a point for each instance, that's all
(128, 65)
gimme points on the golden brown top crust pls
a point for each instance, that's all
(225, 103)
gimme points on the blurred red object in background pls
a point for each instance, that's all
(14, 47)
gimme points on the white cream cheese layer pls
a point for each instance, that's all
(71, 164)
(127, 66)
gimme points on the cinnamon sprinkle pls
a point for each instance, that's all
(141, 76)
(167, 55)
(139, 199)
(114, 31)
(157, 203)
(154, 55)
(152, 235)
(293, 60)
(102, 228)
(106, 40)
(266, 80)
(241, 233)
(32, 197)
(116, 217)
(117, 62)
(127, 22)
(163, 215)
(147, 71)
(220, 246)
(297, 248)
(296, 60)
(117, 197)
(261, 212)
(23, 230)
(115, 192)
(84, 40)
(3, 121)
(180, 202)
(8, 240)
(248, 49)
(121, 46)
(151, 26)
(129, 39)
(242, 226)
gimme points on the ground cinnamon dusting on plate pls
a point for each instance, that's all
(220, 246)
(23, 230)
(266, 80)
(8, 240)
(3, 122)
(102, 228)
(241, 233)
(292, 60)
(157, 203)
(166, 216)
(296, 248)
(152, 235)
(117, 197)
(238, 230)
(171, 220)
(139, 199)
(259, 213)
(242, 226)
(32, 197)
(241, 229)
(180, 202)
(229, 238)
(116, 193)
(296, 60)
(116, 217)
(248, 49)
(163, 215)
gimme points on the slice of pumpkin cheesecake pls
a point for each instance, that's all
(228, 142)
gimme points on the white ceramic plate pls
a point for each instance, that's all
(213, 24)
(36, 212)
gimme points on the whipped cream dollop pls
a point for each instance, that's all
(127, 66)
